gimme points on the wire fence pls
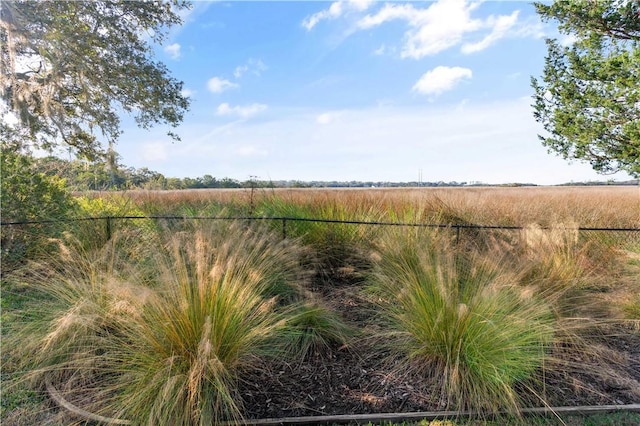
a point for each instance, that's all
(629, 233)
(22, 240)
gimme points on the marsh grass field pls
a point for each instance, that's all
(199, 321)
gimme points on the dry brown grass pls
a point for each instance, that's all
(598, 206)
(587, 278)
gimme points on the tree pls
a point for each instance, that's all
(588, 98)
(69, 68)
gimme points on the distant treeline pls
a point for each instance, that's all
(85, 176)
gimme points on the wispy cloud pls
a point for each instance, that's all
(327, 117)
(441, 79)
(493, 142)
(335, 10)
(255, 67)
(173, 50)
(245, 111)
(251, 151)
(219, 85)
(500, 26)
(431, 29)
(154, 151)
(188, 16)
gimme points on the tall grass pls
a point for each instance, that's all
(314, 330)
(462, 321)
(78, 302)
(336, 246)
(163, 341)
(605, 206)
(568, 268)
(158, 324)
(210, 324)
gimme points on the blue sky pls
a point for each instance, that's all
(356, 90)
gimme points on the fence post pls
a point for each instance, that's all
(108, 227)
(457, 233)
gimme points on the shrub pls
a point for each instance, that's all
(28, 195)
(462, 321)
(210, 323)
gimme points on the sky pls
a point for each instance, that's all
(357, 90)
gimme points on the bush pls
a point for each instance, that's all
(28, 195)
(107, 211)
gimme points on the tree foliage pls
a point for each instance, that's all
(69, 68)
(588, 97)
(26, 194)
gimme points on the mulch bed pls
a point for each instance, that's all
(356, 380)
(360, 380)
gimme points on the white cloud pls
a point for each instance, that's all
(493, 142)
(441, 79)
(443, 25)
(219, 85)
(438, 27)
(529, 27)
(388, 13)
(335, 10)
(173, 50)
(187, 93)
(256, 67)
(240, 111)
(240, 69)
(499, 28)
(567, 40)
(360, 5)
(251, 151)
(326, 118)
(154, 151)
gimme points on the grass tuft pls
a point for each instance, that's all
(313, 329)
(463, 322)
(162, 341)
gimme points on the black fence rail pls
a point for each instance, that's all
(284, 220)
(22, 240)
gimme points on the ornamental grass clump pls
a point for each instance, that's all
(338, 248)
(167, 345)
(460, 320)
(77, 306)
(565, 268)
(211, 322)
(314, 329)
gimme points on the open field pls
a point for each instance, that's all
(178, 321)
(605, 206)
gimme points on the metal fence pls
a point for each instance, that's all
(631, 234)
(20, 240)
